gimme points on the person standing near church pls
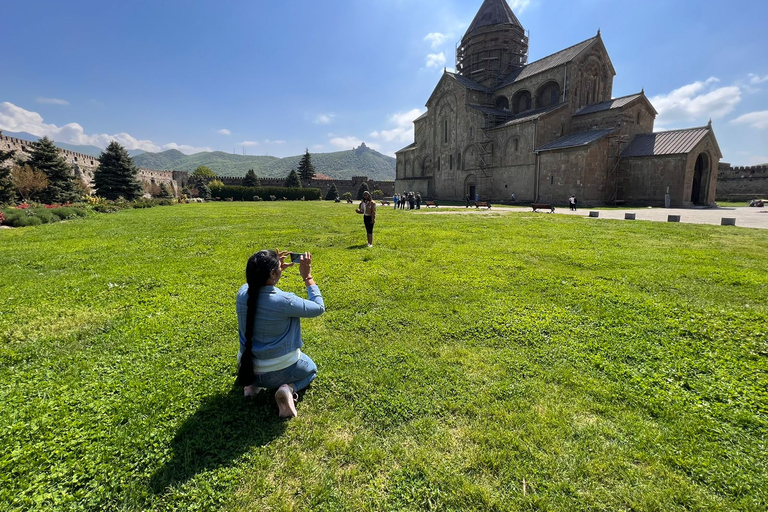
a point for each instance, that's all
(572, 202)
(368, 209)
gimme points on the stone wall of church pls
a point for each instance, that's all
(581, 171)
(742, 183)
(645, 180)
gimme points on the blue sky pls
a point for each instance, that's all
(276, 77)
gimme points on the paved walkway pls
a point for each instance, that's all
(746, 217)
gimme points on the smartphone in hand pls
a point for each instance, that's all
(296, 257)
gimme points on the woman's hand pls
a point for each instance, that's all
(305, 267)
(281, 255)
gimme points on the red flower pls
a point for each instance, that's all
(2, 218)
(23, 206)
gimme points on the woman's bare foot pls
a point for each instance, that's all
(285, 402)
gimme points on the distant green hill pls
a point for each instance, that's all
(362, 161)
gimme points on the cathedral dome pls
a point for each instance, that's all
(494, 45)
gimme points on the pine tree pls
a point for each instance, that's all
(333, 193)
(306, 169)
(251, 180)
(7, 188)
(293, 180)
(164, 192)
(46, 158)
(363, 188)
(117, 176)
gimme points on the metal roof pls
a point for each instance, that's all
(607, 105)
(528, 115)
(675, 142)
(489, 110)
(469, 84)
(576, 139)
(493, 12)
(422, 116)
(549, 62)
(409, 147)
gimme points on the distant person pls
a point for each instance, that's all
(477, 197)
(411, 200)
(368, 209)
(468, 201)
(418, 201)
(572, 202)
(395, 200)
(512, 197)
(269, 326)
(403, 200)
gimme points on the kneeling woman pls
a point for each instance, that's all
(269, 323)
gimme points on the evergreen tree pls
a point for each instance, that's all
(293, 180)
(251, 180)
(333, 193)
(46, 158)
(306, 169)
(117, 176)
(363, 188)
(164, 192)
(7, 188)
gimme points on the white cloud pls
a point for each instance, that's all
(758, 160)
(317, 147)
(519, 5)
(52, 101)
(248, 143)
(17, 119)
(436, 60)
(278, 142)
(224, 131)
(698, 101)
(402, 133)
(324, 118)
(757, 120)
(757, 79)
(436, 39)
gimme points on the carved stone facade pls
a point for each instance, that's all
(545, 130)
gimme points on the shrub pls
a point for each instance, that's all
(240, 193)
(377, 194)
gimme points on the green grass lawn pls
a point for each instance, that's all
(495, 361)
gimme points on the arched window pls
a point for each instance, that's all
(445, 131)
(517, 144)
(502, 103)
(521, 102)
(638, 116)
(548, 94)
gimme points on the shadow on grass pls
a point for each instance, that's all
(223, 428)
(361, 246)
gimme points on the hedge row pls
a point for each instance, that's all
(240, 193)
(19, 218)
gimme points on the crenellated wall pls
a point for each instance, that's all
(742, 183)
(85, 165)
(352, 185)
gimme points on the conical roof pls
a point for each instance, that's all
(493, 12)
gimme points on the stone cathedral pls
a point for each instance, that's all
(544, 130)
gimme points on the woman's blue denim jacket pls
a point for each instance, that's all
(278, 319)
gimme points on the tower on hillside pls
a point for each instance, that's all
(494, 45)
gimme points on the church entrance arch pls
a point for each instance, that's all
(700, 179)
(470, 187)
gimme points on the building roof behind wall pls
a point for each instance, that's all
(607, 105)
(674, 142)
(549, 62)
(576, 139)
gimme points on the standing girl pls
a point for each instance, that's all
(368, 209)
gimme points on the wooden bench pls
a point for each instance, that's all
(430, 203)
(384, 203)
(543, 207)
(484, 204)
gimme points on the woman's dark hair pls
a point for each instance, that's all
(257, 271)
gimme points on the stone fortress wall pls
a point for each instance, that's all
(742, 183)
(343, 186)
(85, 165)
